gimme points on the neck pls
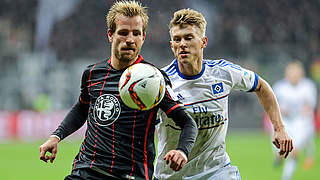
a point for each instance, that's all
(118, 65)
(190, 69)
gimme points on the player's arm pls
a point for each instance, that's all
(72, 122)
(176, 111)
(269, 102)
(187, 138)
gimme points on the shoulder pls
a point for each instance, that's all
(221, 63)
(99, 64)
(170, 69)
(224, 69)
(308, 83)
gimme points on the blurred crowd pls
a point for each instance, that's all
(45, 44)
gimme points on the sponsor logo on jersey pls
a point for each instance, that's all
(206, 120)
(203, 118)
(217, 88)
(106, 109)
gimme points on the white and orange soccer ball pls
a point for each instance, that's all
(141, 86)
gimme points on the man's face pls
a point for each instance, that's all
(128, 38)
(187, 43)
(294, 73)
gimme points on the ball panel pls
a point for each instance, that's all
(141, 86)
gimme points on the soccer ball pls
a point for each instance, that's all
(141, 86)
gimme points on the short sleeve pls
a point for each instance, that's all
(244, 79)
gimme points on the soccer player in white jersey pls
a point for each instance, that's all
(297, 97)
(204, 86)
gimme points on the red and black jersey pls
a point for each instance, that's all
(119, 140)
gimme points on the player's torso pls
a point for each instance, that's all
(206, 99)
(294, 98)
(106, 106)
(117, 136)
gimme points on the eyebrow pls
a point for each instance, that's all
(190, 34)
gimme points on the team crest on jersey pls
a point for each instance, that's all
(217, 88)
(106, 109)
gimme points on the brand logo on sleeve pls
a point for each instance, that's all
(180, 97)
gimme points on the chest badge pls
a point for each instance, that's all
(217, 88)
(106, 109)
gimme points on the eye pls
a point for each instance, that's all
(176, 39)
(188, 38)
(137, 33)
(123, 33)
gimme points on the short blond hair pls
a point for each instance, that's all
(129, 9)
(189, 17)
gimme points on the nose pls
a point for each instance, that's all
(129, 39)
(183, 43)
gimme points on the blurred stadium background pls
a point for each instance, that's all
(46, 44)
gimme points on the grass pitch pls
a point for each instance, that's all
(251, 152)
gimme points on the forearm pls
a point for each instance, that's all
(73, 121)
(189, 131)
(270, 105)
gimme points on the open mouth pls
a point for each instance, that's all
(183, 53)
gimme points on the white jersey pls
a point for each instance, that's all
(294, 102)
(205, 97)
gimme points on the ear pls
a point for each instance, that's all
(110, 36)
(171, 46)
(204, 42)
(144, 36)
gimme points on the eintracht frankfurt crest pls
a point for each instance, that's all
(106, 109)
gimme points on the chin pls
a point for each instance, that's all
(186, 59)
(127, 58)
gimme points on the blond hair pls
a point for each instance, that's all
(129, 9)
(189, 17)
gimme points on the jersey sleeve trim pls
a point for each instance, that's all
(173, 108)
(255, 84)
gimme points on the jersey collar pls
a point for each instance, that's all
(139, 59)
(188, 77)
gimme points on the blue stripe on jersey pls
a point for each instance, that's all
(222, 63)
(189, 77)
(255, 84)
(212, 63)
(171, 70)
(229, 163)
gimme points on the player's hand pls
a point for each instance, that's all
(283, 142)
(177, 158)
(51, 145)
